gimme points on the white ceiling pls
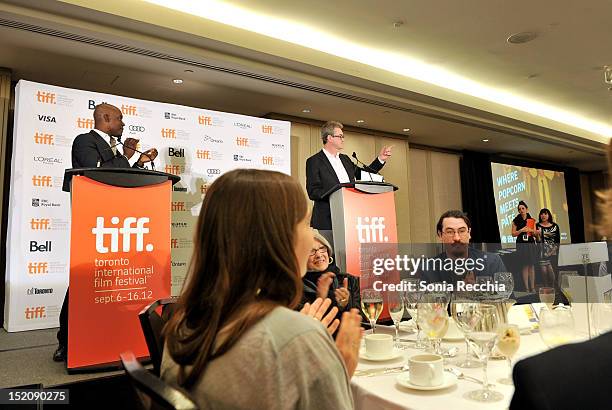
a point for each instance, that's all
(563, 59)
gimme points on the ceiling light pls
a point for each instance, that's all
(177, 81)
(306, 110)
(360, 121)
(521, 38)
(411, 67)
(189, 71)
(608, 74)
(485, 140)
(406, 129)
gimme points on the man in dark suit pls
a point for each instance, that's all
(98, 148)
(574, 376)
(329, 167)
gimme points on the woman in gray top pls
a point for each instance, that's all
(234, 342)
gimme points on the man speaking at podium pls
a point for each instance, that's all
(98, 148)
(329, 167)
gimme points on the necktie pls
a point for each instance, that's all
(113, 142)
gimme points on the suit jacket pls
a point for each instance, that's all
(321, 177)
(574, 376)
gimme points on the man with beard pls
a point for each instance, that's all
(459, 261)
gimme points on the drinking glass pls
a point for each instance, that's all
(547, 295)
(433, 318)
(602, 317)
(467, 314)
(564, 284)
(482, 342)
(506, 279)
(411, 300)
(396, 310)
(508, 343)
(482, 280)
(556, 326)
(372, 306)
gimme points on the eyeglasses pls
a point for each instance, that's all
(451, 232)
(322, 250)
(341, 136)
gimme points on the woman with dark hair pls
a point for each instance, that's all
(550, 235)
(523, 228)
(234, 341)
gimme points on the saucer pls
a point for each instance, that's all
(393, 355)
(404, 381)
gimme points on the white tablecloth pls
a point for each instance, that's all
(382, 392)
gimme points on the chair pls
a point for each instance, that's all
(152, 324)
(153, 392)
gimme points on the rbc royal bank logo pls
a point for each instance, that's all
(127, 231)
(371, 229)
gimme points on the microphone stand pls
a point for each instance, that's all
(365, 167)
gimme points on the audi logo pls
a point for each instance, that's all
(137, 128)
(213, 171)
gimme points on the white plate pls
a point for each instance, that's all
(404, 380)
(393, 355)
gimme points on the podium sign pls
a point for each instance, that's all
(119, 262)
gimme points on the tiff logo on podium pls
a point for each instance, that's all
(371, 229)
(36, 268)
(42, 138)
(45, 97)
(85, 122)
(126, 232)
(37, 312)
(41, 180)
(40, 224)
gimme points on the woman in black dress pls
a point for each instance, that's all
(550, 235)
(525, 245)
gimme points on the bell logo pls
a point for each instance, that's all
(178, 206)
(126, 232)
(242, 142)
(41, 180)
(267, 160)
(203, 120)
(40, 247)
(37, 312)
(168, 133)
(371, 229)
(40, 224)
(174, 152)
(35, 268)
(45, 97)
(172, 169)
(266, 129)
(128, 110)
(42, 138)
(202, 154)
(85, 123)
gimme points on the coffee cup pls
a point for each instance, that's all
(378, 345)
(426, 370)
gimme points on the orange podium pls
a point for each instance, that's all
(119, 260)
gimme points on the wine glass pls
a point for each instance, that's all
(396, 310)
(467, 315)
(433, 317)
(506, 279)
(556, 326)
(508, 343)
(602, 317)
(372, 306)
(564, 284)
(482, 341)
(547, 295)
(411, 300)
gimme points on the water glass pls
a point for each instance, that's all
(557, 326)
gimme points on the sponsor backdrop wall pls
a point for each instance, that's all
(198, 145)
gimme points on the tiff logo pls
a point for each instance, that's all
(168, 133)
(204, 188)
(371, 229)
(242, 141)
(203, 120)
(172, 169)
(202, 154)
(35, 268)
(126, 232)
(266, 129)
(267, 160)
(45, 97)
(37, 312)
(178, 206)
(85, 122)
(128, 110)
(42, 138)
(41, 180)
(174, 243)
(40, 224)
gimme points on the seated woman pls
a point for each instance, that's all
(325, 281)
(234, 341)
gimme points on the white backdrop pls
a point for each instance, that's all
(198, 145)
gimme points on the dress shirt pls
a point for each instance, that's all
(337, 166)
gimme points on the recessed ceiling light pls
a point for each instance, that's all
(177, 81)
(485, 140)
(189, 71)
(521, 38)
(406, 129)
(360, 121)
(306, 110)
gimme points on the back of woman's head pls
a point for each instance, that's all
(244, 263)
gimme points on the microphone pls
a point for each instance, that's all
(135, 150)
(365, 167)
